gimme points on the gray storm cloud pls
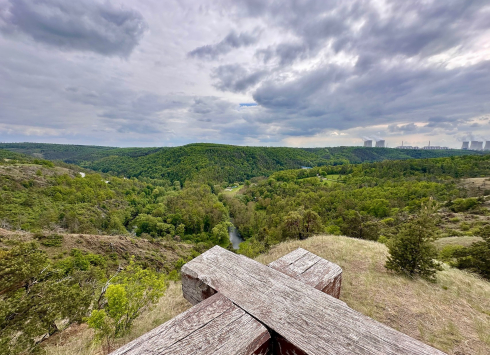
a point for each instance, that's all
(232, 41)
(235, 78)
(85, 25)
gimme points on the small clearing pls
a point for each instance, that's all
(463, 241)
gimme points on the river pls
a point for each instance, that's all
(235, 238)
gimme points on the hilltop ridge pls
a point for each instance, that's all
(216, 162)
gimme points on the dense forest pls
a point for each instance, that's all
(214, 162)
(365, 201)
(179, 201)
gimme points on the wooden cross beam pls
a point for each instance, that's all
(215, 325)
(301, 319)
(201, 328)
(311, 270)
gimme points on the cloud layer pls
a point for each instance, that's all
(321, 72)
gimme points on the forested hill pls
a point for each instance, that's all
(213, 162)
(73, 154)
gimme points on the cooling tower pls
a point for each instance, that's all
(466, 145)
(368, 143)
(487, 146)
(380, 143)
(476, 145)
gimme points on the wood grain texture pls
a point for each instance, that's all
(311, 269)
(215, 326)
(313, 322)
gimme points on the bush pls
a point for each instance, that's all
(127, 295)
(464, 204)
(447, 254)
(476, 257)
(382, 239)
(53, 240)
(333, 229)
(251, 248)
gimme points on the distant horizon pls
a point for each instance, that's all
(238, 145)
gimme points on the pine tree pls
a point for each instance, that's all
(411, 251)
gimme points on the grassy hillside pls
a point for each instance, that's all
(213, 162)
(452, 314)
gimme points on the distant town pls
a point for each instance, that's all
(467, 145)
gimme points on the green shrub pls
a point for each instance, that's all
(128, 294)
(447, 254)
(53, 240)
(333, 229)
(251, 248)
(464, 204)
(383, 239)
(388, 221)
(476, 257)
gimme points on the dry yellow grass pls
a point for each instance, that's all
(452, 314)
(463, 241)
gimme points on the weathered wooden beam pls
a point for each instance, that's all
(311, 269)
(311, 322)
(215, 326)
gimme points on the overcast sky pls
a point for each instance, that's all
(246, 72)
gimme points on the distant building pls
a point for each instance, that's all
(368, 143)
(380, 143)
(465, 146)
(476, 145)
(306, 167)
(487, 146)
(407, 147)
(434, 147)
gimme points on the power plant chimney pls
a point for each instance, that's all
(487, 146)
(476, 145)
(380, 143)
(466, 145)
(368, 143)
